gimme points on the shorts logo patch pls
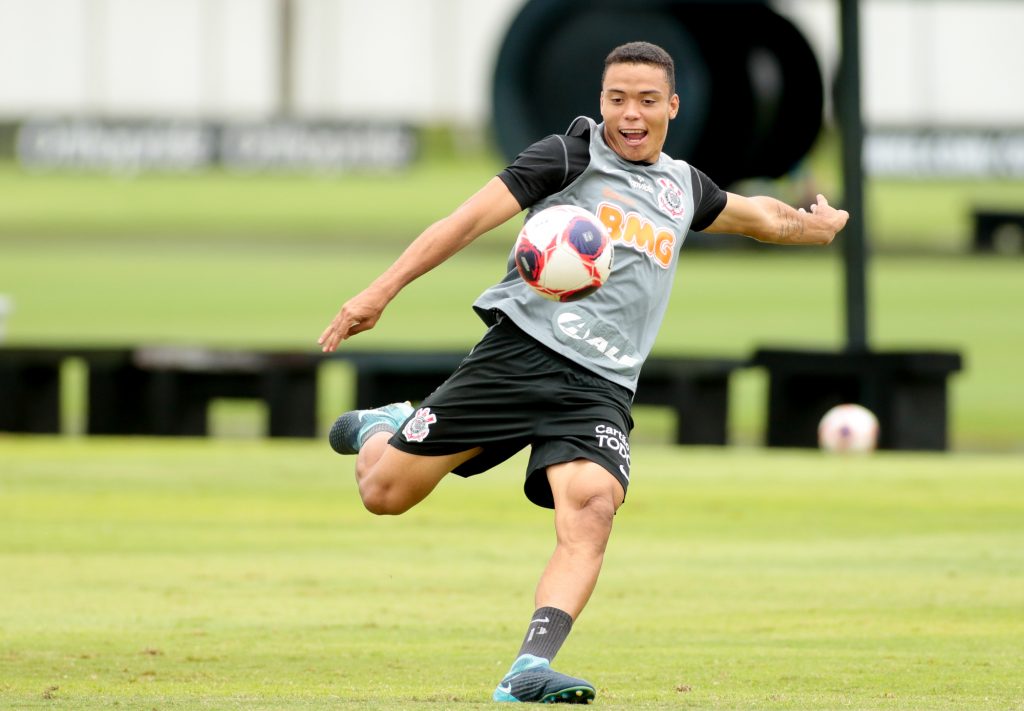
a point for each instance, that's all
(417, 429)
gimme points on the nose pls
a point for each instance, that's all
(632, 110)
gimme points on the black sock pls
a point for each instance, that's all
(548, 629)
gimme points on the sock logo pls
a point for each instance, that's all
(538, 630)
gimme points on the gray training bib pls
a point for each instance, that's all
(648, 209)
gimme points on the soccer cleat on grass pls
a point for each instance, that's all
(350, 431)
(532, 680)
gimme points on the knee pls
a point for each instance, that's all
(375, 491)
(381, 500)
(588, 524)
(584, 490)
(599, 509)
(599, 513)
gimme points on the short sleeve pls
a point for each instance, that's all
(545, 168)
(709, 200)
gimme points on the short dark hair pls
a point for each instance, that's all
(643, 53)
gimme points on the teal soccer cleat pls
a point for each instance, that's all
(350, 431)
(532, 680)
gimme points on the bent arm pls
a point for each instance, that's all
(489, 207)
(769, 220)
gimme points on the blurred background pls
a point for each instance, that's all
(228, 172)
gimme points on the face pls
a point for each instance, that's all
(636, 107)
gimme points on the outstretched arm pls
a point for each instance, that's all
(769, 220)
(489, 207)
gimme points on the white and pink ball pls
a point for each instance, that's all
(848, 428)
(564, 253)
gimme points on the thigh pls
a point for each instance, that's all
(397, 481)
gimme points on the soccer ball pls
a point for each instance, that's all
(564, 252)
(848, 428)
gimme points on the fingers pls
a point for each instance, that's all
(329, 339)
(836, 216)
(331, 342)
(327, 332)
(821, 203)
(346, 324)
(336, 332)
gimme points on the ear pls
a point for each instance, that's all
(673, 106)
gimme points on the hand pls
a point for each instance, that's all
(358, 314)
(835, 219)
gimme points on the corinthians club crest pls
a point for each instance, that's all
(671, 198)
(417, 429)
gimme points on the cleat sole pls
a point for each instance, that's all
(575, 695)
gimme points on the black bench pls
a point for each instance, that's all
(157, 391)
(999, 231)
(30, 384)
(907, 391)
(167, 390)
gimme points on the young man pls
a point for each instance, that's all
(532, 380)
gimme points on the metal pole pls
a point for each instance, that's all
(286, 60)
(853, 237)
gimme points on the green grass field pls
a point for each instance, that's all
(217, 574)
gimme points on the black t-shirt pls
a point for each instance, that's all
(552, 163)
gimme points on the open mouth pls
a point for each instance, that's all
(633, 136)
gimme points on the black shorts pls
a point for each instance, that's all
(511, 392)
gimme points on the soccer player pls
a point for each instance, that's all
(558, 377)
